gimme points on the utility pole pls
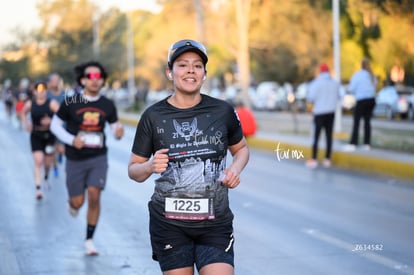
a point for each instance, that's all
(243, 57)
(198, 6)
(337, 61)
(96, 42)
(130, 59)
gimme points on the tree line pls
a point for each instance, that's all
(286, 40)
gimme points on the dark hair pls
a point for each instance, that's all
(81, 68)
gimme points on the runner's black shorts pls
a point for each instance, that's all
(42, 141)
(178, 247)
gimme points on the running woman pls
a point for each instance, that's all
(41, 138)
(185, 139)
(80, 124)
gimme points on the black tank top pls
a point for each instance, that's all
(38, 112)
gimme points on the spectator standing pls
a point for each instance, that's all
(324, 93)
(362, 85)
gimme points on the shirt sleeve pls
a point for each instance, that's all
(235, 133)
(60, 132)
(112, 115)
(143, 143)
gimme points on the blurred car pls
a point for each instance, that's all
(411, 105)
(301, 103)
(392, 101)
(348, 100)
(217, 93)
(269, 96)
(154, 96)
(121, 95)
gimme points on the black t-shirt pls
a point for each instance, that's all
(197, 139)
(89, 118)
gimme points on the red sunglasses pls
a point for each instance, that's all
(93, 76)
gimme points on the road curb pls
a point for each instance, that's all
(346, 160)
(351, 161)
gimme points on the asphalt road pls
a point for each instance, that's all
(288, 219)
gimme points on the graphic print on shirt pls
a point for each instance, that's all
(197, 157)
(91, 130)
(90, 118)
(185, 129)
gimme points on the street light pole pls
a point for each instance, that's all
(130, 57)
(96, 42)
(337, 61)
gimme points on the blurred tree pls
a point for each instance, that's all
(176, 21)
(292, 36)
(14, 70)
(286, 39)
(68, 31)
(378, 29)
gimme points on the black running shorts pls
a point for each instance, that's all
(177, 247)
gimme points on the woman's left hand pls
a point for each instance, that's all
(231, 178)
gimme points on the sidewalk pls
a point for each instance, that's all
(376, 161)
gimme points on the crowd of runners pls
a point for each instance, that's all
(67, 123)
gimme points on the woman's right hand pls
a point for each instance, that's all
(159, 162)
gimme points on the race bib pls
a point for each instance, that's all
(92, 139)
(189, 208)
(49, 149)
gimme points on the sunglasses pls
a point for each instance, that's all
(185, 43)
(91, 76)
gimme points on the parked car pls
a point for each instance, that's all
(348, 100)
(300, 98)
(392, 101)
(411, 105)
(270, 96)
(155, 96)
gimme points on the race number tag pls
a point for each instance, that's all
(49, 149)
(92, 139)
(189, 208)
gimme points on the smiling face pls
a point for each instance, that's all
(187, 73)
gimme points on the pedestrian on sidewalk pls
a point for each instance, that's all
(185, 138)
(41, 138)
(324, 93)
(363, 84)
(85, 115)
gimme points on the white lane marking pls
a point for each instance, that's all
(372, 256)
